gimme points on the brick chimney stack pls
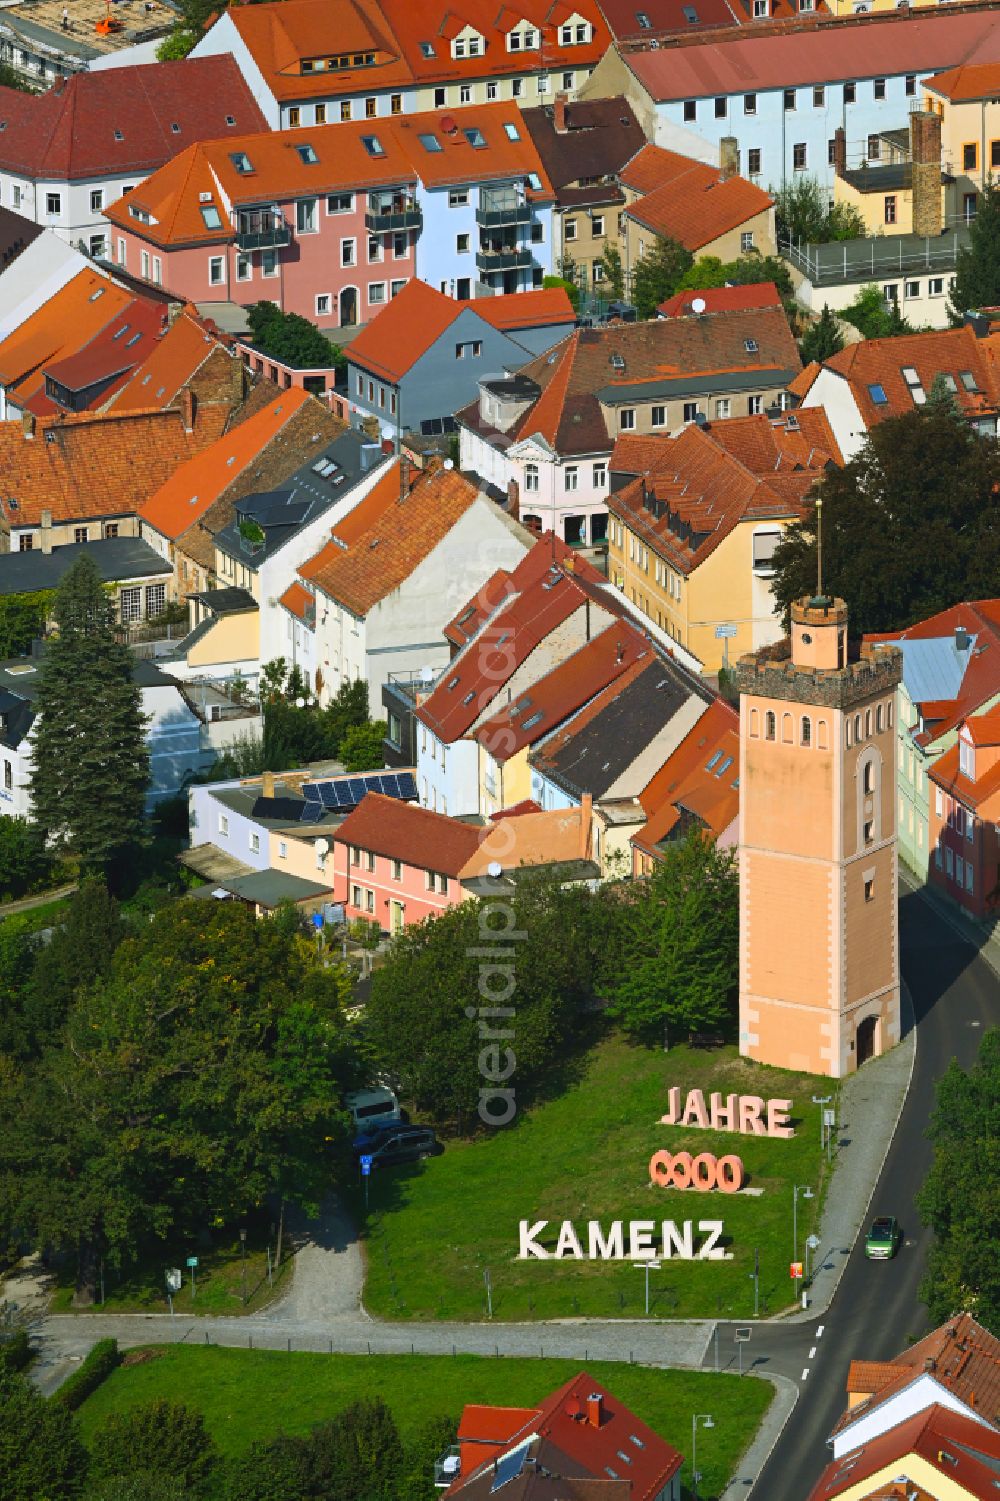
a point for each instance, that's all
(840, 151)
(729, 158)
(513, 500)
(925, 159)
(28, 424)
(187, 409)
(595, 1410)
(45, 525)
(559, 119)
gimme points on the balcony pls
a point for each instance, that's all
(446, 1468)
(497, 209)
(505, 258)
(265, 230)
(389, 212)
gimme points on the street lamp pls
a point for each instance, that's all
(243, 1248)
(821, 1101)
(647, 1267)
(806, 1193)
(705, 1420)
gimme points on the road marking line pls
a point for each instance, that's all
(819, 1331)
(805, 1373)
(812, 1353)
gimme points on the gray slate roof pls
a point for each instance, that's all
(117, 560)
(933, 669)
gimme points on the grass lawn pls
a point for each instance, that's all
(247, 1395)
(432, 1229)
(34, 919)
(218, 1281)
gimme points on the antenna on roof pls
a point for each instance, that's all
(819, 547)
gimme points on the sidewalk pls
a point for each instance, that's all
(757, 1453)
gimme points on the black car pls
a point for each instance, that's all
(407, 1144)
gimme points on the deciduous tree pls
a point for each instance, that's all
(161, 1439)
(658, 274)
(977, 269)
(41, 1454)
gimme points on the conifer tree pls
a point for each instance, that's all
(91, 763)
(821, 339)
(977, 270)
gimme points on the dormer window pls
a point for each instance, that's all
(966, 758)
(468, 44)
(575, 33)
(525, 39)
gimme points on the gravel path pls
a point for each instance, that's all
(329, 1272)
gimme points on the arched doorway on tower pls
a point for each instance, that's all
(867, 1039)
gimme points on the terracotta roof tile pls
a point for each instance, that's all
(73, 129)
(385, 555)
(177, 355)
(542, 838)
(964, 1451)
(722, 299)
(968, 82)
(654, 167)
(535, 309)
(69, 319)
(407, 832)
(954, 353)
(391, 344)
(297, 600)
(700, 780)
(699, 206)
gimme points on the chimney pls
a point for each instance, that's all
(267, 784)
(586, 817)
(595, 1410)
(559, 114)
(174, 310)
(46, 529)
(388, 448)
(404, 477)
(513, 500)
(840, 151)
(925, 167)
(187, 409)
(729, 158)
(930, 1364)
(962, 638)
(28, 424)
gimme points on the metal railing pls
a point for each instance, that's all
(870, 259)
(499, 206)
(263, 230)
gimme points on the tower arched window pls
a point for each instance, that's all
(786, 729)
(805, 732)
(770, 725)
(868, 724)
(754, 724)
(847, 731)
(869, 778)
(857, 729)
(821, 732)
(879, 719)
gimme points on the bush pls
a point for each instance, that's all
(159, 1438)
(16, 1352)
(95, 1369)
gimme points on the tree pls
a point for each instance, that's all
(41, 1455)
(291, 338)
(159, 1437)
(362, 748)
(802, 211)
(874, 317)
(977, 269)
(959, 1200)
(614, 272)
(10, 78)
(658, 274)
(91, 762)
(79, 953)
(821, 339)
(568, 285)
(909, 526)
(23, 618)
(681, 943)
(177, 45)
(25, 864)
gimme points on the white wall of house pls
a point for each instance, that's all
(550, 488)
(37, 275)
(921, 1393)
(447, 775)
(922, 298)
(72, 210)
(832, 391)
(174, 738)
(212, 822)
(223, 38)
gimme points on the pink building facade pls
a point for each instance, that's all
(390, 892)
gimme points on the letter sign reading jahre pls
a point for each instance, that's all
(746, 1113)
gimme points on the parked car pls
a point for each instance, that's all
(407, 1144)
(371, 1106)
(882, 1240)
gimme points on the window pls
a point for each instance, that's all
(345, 110)
(294, 116)
(340, 203)
(911, 85)
(912, 289)
(111, 529)
(800, 156)
(850, 92)
(465, 95)
(805, 731)
(348, 252)
(789, 99)
(305, 216)
(970, 156)
(80, 534)
(969, 883)
(224, 823)
(395, 104)
(397, 870)
(755, 405)
(531, 476)
(53, 203)
(878, 88)
(746, 241)
(395, 289)
(690, 411)
(373, 145)
(321, 114)
(322, 304)
(626, 419)
(25, 542)
(569, 229)
(819, 96)
(995, 153)
(720, 107)
(690, 109)
(597, 226)
(131, 605)
(156, 600)
(462, 244)
(749, 104)
(516, 88)
(870, 889)
(869, 832)
(938, 801)
(355, 856)
(356, 896)
(244, 267)
(723, 407)
(753, 161)
(568, 81)
(658, 416)
(969, 207)
(966, 759)
(216, 271)
(96, 200)
(307, 154)
(471, 350)
(269, 263)
(458, 197)
(570, 477)
(374, 249)
(770, 725)
(599, 477)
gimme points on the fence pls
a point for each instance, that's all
(870, 260)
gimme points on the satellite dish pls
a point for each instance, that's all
(427, 674)
(494, 868)
(449, 463)
(322, 846)
(698, 305)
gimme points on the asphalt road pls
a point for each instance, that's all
(876, 1310)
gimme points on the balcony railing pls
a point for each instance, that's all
(496, 209)
(263, 231)
(446, 1468)
(509, 258)
(391, 213)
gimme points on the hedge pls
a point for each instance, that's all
(95, 1369)
(16, 1352)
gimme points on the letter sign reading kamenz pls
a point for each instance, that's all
(746, 1113)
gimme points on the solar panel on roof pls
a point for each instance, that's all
(311, 793)
(407, 784)
(510, 1466)
(356, 788)
(390, 786)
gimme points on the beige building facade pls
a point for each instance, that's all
(819, 951)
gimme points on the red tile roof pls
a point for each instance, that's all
(197, 484)
(173, 362)
(692, 204)
(101, 367)
(391, 344)
(654, 167)
(663, 16)
(205, 176)
(720, 299)
(120, 121)
(407, 832)
(966, 1454)
(297, 600)
(279, 36)
(70, 318)
(563, 1421)
(699, 781)
(403, 534)
(950, 352)
(561, 692)
(823, 51)
(971, 81)
(536, 309)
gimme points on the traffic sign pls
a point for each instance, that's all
(174, 1279)
(795, 1270)
(742, 1335)
(192, 1261)
(366, 1166)
(722, 631)
(318, 919)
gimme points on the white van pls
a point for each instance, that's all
(373, 1107)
